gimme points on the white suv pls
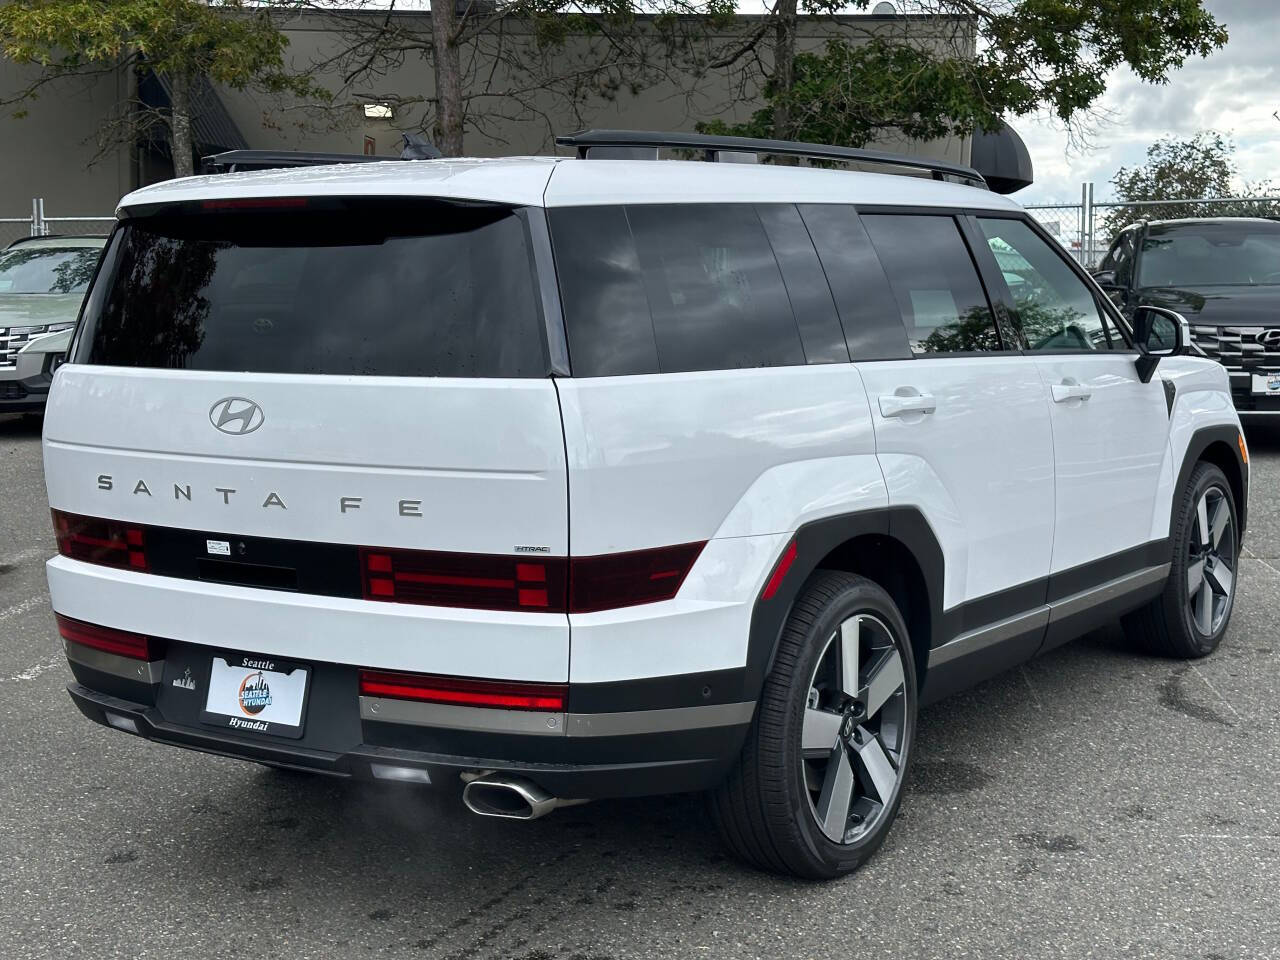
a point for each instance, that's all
(580, 478)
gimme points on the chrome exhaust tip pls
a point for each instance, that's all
(512, 798)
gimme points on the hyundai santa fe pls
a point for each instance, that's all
(553, 479)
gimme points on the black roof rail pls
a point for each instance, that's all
(587, 140)
(232, 160)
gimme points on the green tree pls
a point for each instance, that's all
(1201, 168)
(963, 68)
(231, 42)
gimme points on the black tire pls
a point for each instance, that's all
(765, 810)
(1171, 625)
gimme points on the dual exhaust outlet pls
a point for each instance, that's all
(512, 798)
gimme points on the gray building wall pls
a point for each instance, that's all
(47, 154)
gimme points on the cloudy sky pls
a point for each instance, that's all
(1235, 91)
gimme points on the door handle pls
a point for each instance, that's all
(897, 404)
(1070, 389)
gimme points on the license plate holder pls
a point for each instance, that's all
(1266, 384)
(257, 694)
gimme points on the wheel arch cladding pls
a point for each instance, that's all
(1220, 446)
(893, 547)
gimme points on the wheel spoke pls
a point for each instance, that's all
(820, 731)
(885, 680)
(1220, 578)
(877, 772)
(1202, 520)
(837, 795)
(850, 632)
(1202, 607)
(1218, 522)
(1195, 577)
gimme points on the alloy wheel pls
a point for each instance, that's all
(853, 738)
(1211, 562)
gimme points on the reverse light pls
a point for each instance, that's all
(122, 643)
(457, 691)
(111, 543)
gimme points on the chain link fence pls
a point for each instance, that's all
(39, 224)
(1086, 228)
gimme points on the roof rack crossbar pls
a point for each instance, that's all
(584, 140)
(229, 161)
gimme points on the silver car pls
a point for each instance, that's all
(42, 282)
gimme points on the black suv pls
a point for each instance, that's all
(1223, 275)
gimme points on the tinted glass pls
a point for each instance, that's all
(605, 305)
(47, 270)
(868, 311)
(935, 283)
(403, 289)
(1191, 255)
(807, 289)
(670, 288)
(1056, 309)
(715, 292)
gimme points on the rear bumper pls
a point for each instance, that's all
(592, 756)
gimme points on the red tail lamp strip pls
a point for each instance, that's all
(780, 572)
(107, 639)
(477, 581)
(108, 542)
(461, 692)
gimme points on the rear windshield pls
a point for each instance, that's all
(404, 289)
(1211, 253)
(47, 269)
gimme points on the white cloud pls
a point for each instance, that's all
(1235, 91)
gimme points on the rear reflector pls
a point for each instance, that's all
(780, 572)
(107, 639)
(107, 542)
(502, 695)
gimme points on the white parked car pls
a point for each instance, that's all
(580, 478)
(42, 282)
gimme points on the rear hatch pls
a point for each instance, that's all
(269, 385)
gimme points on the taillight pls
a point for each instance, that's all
(107, 639)
(108, 542)
(546, 585)
(504, 695)
(627, 579)
(477, 581)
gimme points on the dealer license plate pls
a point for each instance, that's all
(256, 694)
(1266, 383)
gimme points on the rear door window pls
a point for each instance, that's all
(380, 289)
(680, 287)
(935, 283)
(868, 310)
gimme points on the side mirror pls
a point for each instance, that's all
(1105, 278)
(1157, 332)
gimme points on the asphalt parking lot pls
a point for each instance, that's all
(1095, 803)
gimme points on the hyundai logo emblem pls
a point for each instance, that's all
(1270, 338)
(236, 416)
